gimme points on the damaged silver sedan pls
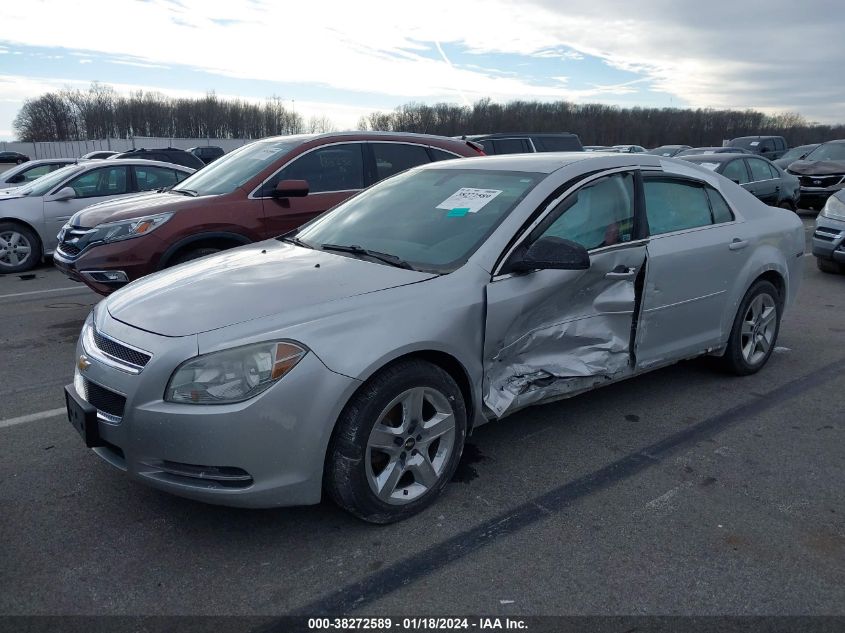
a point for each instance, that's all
(355, 355)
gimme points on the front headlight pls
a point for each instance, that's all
(125, 229)
(834, 209)
(232, 375)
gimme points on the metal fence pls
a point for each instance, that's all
(74, 149)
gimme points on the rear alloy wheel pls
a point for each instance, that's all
(19, 248)
(755, 330)
(828, 266)
(397, 443)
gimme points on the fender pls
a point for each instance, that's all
(199, 237)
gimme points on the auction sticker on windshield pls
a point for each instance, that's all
(469, 198)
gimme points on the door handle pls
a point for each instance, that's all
(621, 272)
(737, 244)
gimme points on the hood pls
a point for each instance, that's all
(817, 167)
(131, 207)
(248, 283)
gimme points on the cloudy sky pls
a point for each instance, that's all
(342, 59)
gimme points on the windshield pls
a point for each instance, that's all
(44, 184)
(795, 153)
(237, 167)
(747, 142)
(434, 219)
(664, 150)
(827, 151)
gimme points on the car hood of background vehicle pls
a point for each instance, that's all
(248, 283)
(131, 207)
(818, 167)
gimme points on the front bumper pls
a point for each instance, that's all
(829, 239)
(135, 258)
(817, 196)
(265, 452)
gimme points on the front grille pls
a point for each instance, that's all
(71, 250)
(72, 241)
(118, 350)
(103, 399)
(819, 181)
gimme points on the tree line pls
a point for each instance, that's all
(600, 124)
(100, 112)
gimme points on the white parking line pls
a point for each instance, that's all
(32, 417)
(38, 292)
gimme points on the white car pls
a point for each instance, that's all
(23, 174)
(33, 215)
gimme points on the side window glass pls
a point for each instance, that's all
(439, 154)
(391, 158)
(759, 170)
(108, 181)
(329, 168)
(36, 172)
(512, 146)
(721, 211)
(556, 143)
(602, 215)
(488, 146)
(150, 178)
(673, 205)
(773, 171)
(736, 171)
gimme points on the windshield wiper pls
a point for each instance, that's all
(295, 240)
(387, 258)
(185, 192)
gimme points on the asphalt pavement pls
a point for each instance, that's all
(683, 491)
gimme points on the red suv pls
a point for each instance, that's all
(258, 191)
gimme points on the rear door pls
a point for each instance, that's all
(550, 333)
(334, 173)
(696, 248)
(387, 159)
(763, 185)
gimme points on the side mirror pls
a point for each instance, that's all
(65, 193)
(549, 253)
(291, 189)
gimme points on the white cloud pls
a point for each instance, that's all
(768, 54)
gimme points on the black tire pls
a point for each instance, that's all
(734, 361)
(33, 257)
(789, 205)
(345, 475)
(828, 266)
(196, 253)
(19, 161)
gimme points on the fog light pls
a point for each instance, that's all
(107, 276)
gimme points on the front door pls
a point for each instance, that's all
(334, 173)
(551, 333)
(91, 187)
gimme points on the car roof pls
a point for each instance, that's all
(544, 162)
(739, 138)
(133, 161)
(476, 137)
(357, 135)
(721, 157)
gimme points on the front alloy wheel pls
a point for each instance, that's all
(410, 445)
(19, 250)
(397, 442)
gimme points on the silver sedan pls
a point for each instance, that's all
(32, 215)
(356, 354)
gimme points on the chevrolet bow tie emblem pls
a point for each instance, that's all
(83, 363)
